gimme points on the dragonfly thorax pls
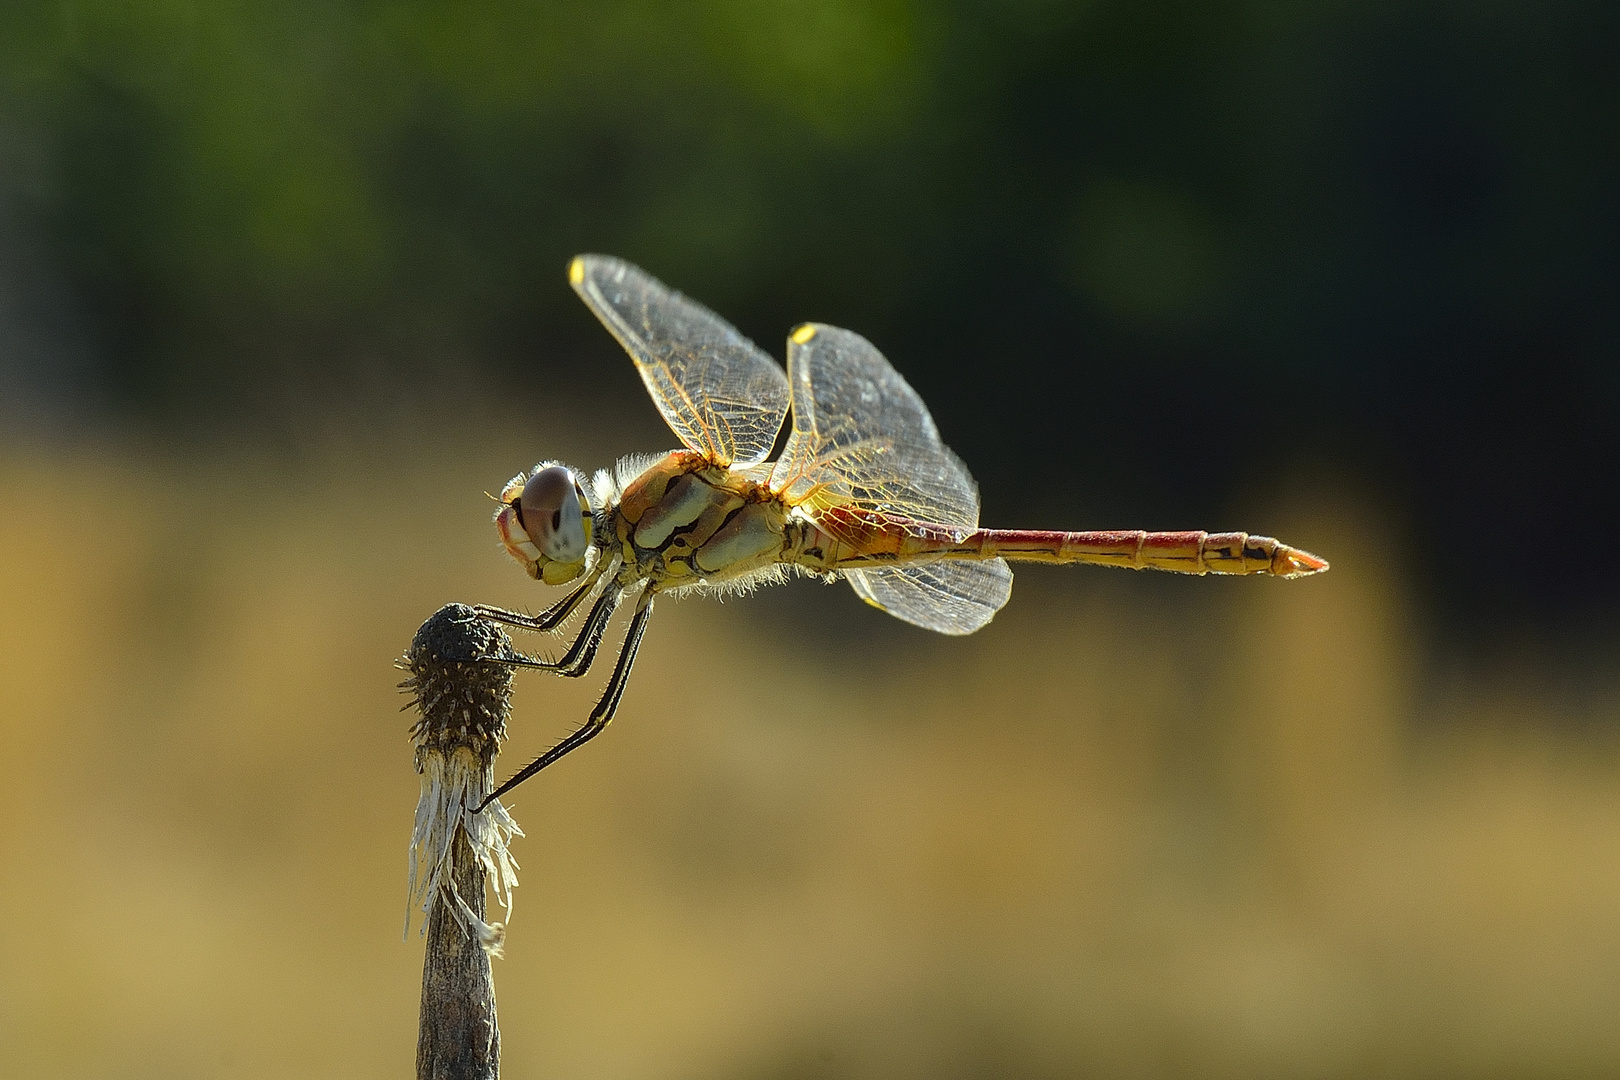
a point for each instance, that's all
(684, 523)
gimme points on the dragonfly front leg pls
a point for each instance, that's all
(549, 619)
(605, 708)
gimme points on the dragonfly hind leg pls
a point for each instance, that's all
(605, 708)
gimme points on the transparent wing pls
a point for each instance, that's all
(950, 597)
(862, 438)
(723, 395)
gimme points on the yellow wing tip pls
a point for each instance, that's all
(803, 334)
(576, 270)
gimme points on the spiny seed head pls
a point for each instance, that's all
(446, 669)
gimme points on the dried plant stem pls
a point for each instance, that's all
(458, 1037)
(454, 852)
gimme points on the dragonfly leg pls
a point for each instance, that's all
(577, 660)
(548, 619)
(601, 715)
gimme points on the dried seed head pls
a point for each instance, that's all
(464, 703)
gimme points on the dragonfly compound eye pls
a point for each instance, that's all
(553, 515)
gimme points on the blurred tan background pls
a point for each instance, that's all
(1139, 826)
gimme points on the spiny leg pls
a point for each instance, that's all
(605, 708)
(548, 619)
(577, 660)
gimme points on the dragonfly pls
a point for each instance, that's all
(864, 490)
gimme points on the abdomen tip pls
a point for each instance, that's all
(1292, 562)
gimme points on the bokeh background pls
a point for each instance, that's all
(282, 294)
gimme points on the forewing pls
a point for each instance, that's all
(862, 438)
(950, 597)
(722, 394)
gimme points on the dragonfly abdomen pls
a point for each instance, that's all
(1180, 552)
(857, 540)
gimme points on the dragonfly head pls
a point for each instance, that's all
(545, 523)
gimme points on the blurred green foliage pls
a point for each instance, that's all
(358, 160)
